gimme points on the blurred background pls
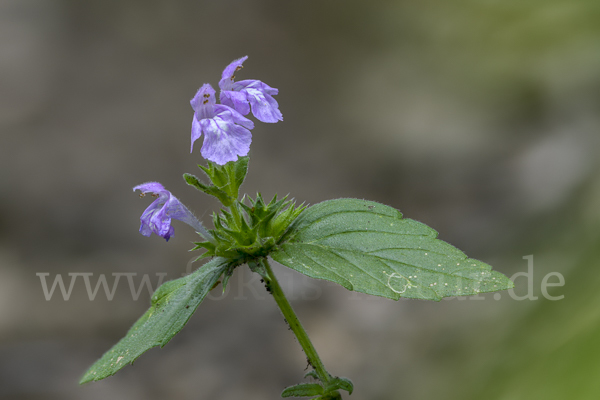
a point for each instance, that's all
(479, 118)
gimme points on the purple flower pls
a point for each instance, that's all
(249, 93)
(157, 217)
(226, 131)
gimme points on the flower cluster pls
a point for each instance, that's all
(226, 130)
(226, 136)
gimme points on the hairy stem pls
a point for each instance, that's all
(296, 326)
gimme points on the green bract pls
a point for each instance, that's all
(244, 232)
(226, 180)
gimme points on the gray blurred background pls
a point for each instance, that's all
(479, 118)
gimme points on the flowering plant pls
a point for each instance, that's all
(362, 245)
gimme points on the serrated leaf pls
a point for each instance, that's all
(212, 190)
(240, 170)
(370, 248)
(173, 304)
(302, 390)
(226, 179)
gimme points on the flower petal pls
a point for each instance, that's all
(228, 73)
(150, 187)
(203, 102)
(235, 100)
(224, 141)
(264, 106)
(160, 222)
(145, 228)
(229, 114)
(254, 84)
(196, 132)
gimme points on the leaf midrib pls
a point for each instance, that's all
(330, 249)
(368, 231)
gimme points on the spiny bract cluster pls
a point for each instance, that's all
(245, 229)
(252, 230)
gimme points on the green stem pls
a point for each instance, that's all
(296, 326)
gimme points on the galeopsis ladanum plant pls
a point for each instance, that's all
(362, 245)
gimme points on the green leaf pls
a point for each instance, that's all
(312, 373)
(173, 304)
(259, 268)
(330, 396)
(229, 177)
(303, 390)
(228, 274)
(340, 383)
(212, 190)
(239, 171)
(368, 247)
